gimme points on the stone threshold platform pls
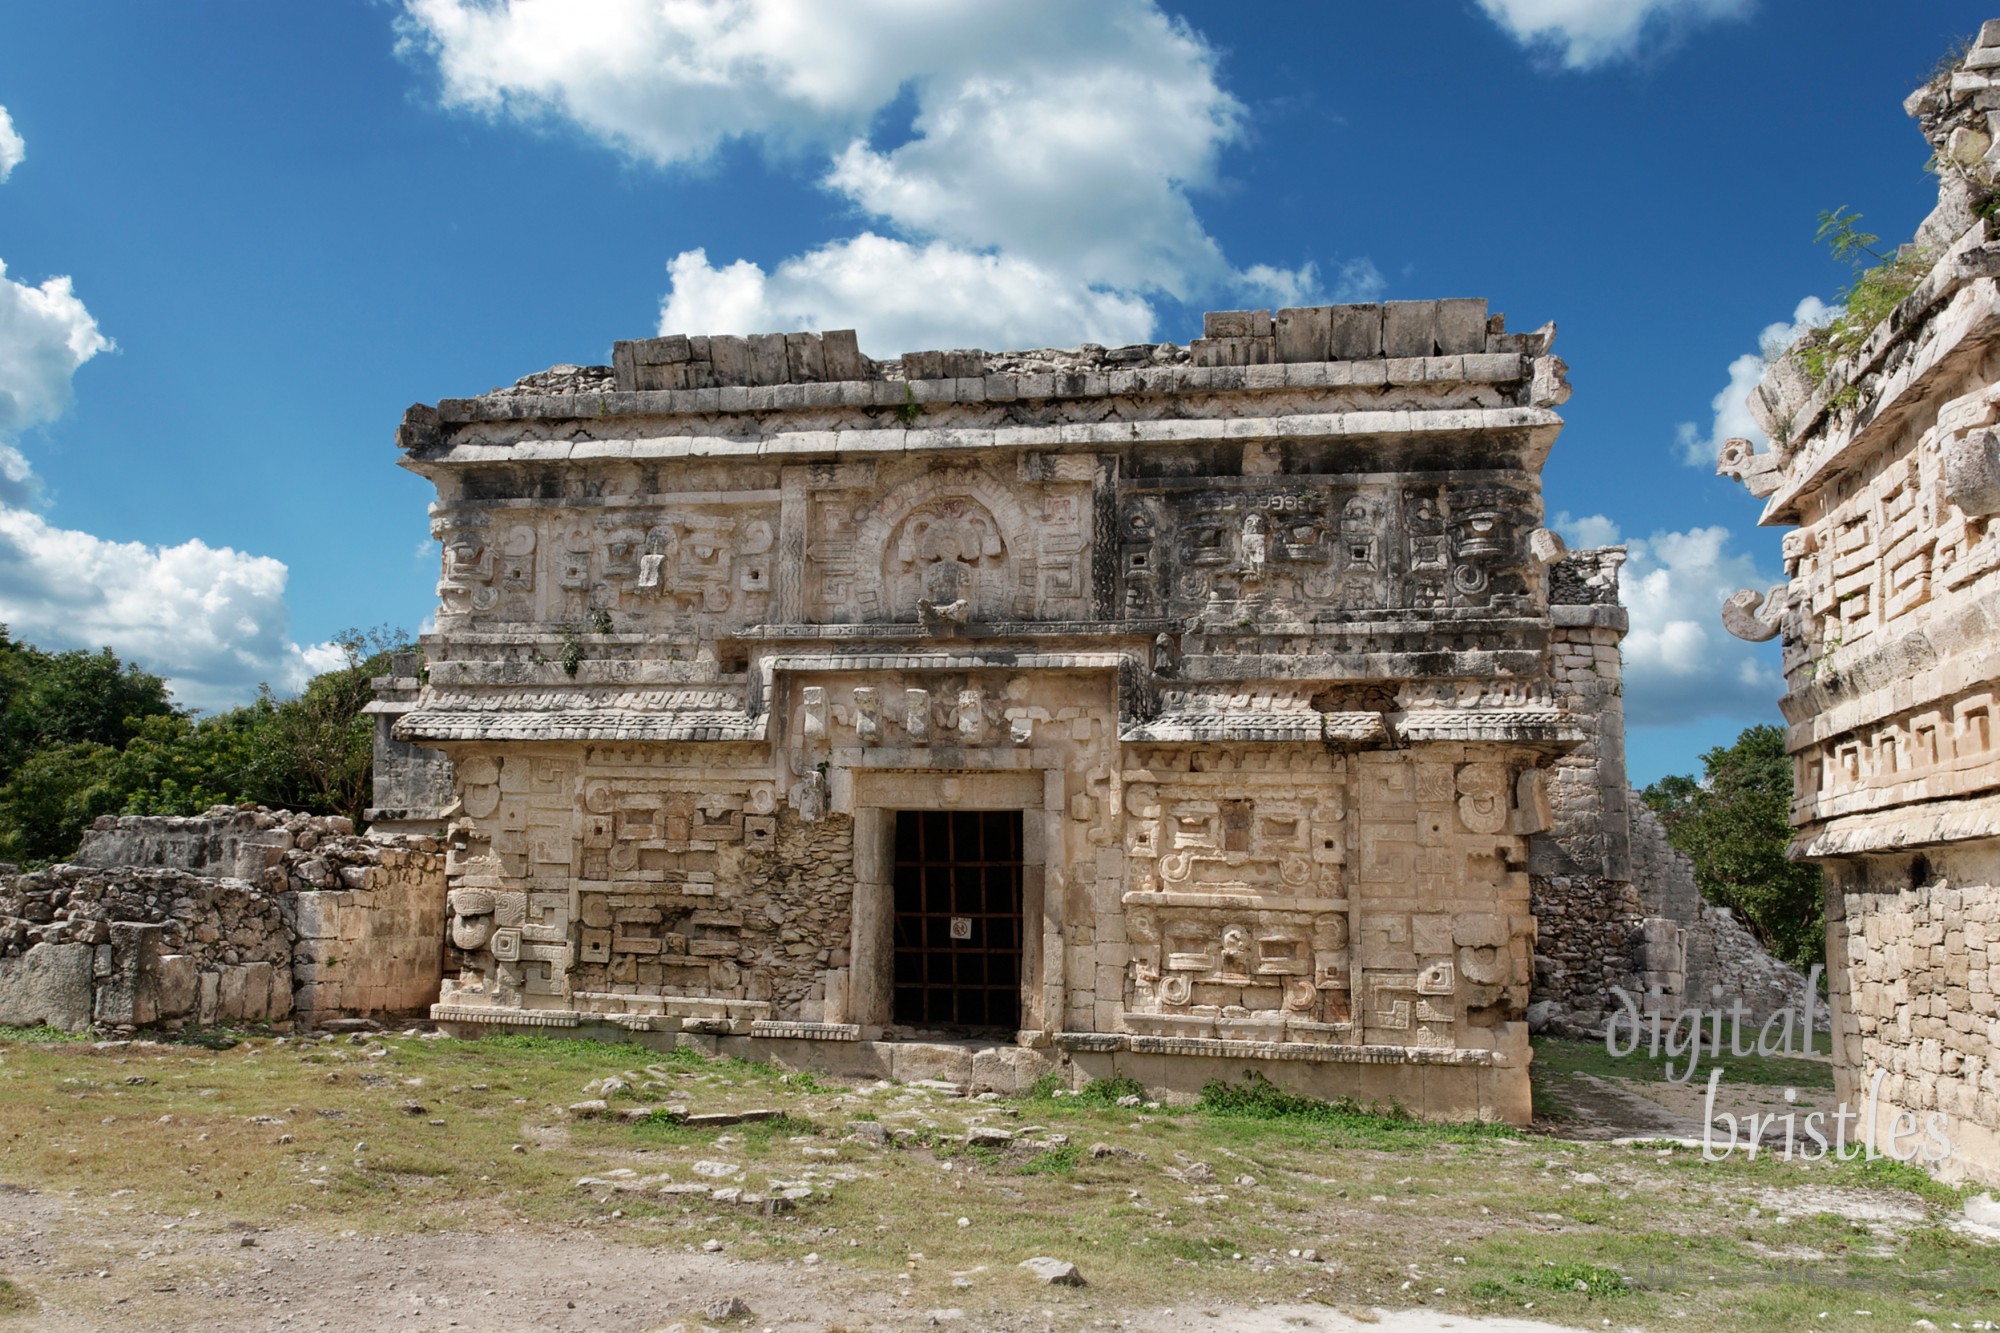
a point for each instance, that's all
(1443, 1084)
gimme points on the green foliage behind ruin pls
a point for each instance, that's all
(84, 734)
(1734, 824)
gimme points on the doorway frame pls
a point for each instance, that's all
(877, 795)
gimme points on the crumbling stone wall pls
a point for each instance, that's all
(1593, 930)
(1586, 943)
(1615, 904)
(238, 915)
(412, 783)
(134, 946)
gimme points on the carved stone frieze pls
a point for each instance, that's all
(1205, 706)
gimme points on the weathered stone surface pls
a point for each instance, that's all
(412, 784)
(330, 924)
(1247, 647)
(49, 984)
(1892, 664)
(1052, 1272)
(1615, 905)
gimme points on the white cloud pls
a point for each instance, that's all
(45, 334)
(12, 148)
(900, 297)
(1680, 663)
(1586, 33)
(210, 619)
(18, 483)
(1590, 530)
(1732, 417)
(1051, 154)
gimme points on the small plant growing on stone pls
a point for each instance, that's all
(600, 621)
(571, 657)
(1875, 292)
(910, 409)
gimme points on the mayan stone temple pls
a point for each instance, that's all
(1887, 468)
(1151, 711)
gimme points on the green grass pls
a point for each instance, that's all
(1892, 1174)
(1060, 1161)
(41, 1033)
(1865, 302)
(1556, 1055)
(267, 1134)
(1099, 1092)
(1257, 1098)
(1588, 1279)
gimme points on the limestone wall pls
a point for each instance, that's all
(1247, 643)
(1914, 964)
(376, 947)
(238, 915)
(412, 783)
(1593, 931)
(83, 946)
(1886, 461)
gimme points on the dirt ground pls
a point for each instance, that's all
(153, 1273)
(483, 1209)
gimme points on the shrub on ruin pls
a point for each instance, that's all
(1734, 823)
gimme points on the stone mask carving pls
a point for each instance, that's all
(471, 917)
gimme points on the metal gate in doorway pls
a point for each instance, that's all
(958, 920)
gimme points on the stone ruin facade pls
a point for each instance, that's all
(412, 784)
(1615, 905)
(1155, 711)
(1887, 470)
(239, 915)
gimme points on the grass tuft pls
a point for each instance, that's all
(14, 1299)
(1582, 1279)
(1051, 1162)
(1257, 1098)
(1107, 1091)
(42, 1033)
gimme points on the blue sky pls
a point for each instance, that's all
(240, 238)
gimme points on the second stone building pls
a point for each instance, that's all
(1159, 711)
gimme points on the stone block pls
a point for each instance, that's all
(176, 982)
(769, 363)
(1354, 332)
(1231, 323)
(1409, 328)
(842, 355)
(729, 360)
(1461, 326)
(1007, 1069)
(234, 997)
(805, 362)
(912, 1062)
(50, 983)
(1305, 334)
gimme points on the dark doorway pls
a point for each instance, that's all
(958, 920)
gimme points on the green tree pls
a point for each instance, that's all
(321, 743)
(1735, 825)
(92, 736)
(55, 699)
